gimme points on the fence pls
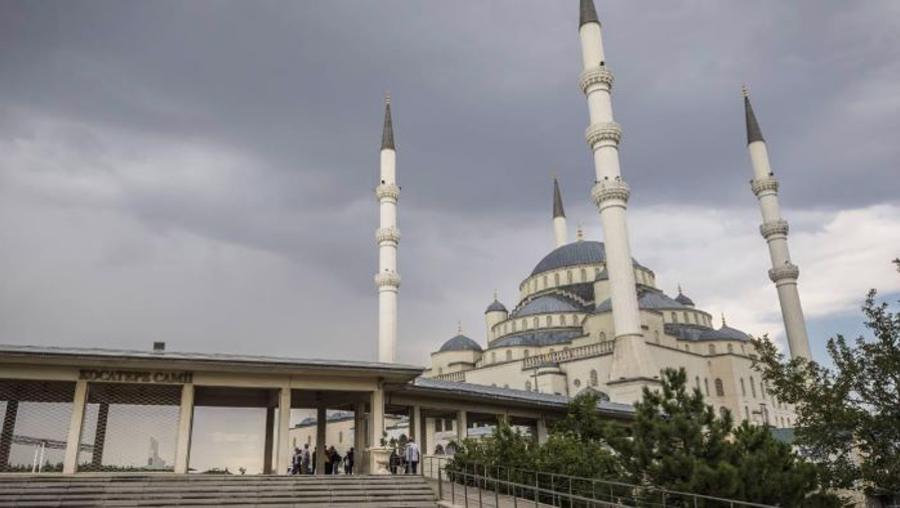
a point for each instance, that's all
(480, 485)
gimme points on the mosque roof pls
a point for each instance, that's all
(545, 304)
(538, 338)
(588, 14)
(697, 333)
(387, 134)
(583, 252)
(460, 343)
(753, 131)
(648, 298)
(558, 210)
(496, 306)
(684, 300)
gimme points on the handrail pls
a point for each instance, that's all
(610, 491)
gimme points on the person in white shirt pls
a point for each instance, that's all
(412, 456)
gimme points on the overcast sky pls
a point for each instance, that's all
(202, 173)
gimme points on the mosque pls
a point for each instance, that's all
(591, 317)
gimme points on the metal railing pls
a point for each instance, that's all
(475, 484)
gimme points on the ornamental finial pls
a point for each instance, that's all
(579, 233)
(745, 91)
(459, 327)
(679, 289)
(723, 319)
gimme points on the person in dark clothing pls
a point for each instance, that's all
(295, 461)
(335, 460)
(328, 463)
(348, 462)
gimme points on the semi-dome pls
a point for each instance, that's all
(576, 253)
(460, 343)
(647, 299)
(496, 306)
(547, 304)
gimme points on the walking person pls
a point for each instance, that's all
(296, 460)
(305, 460)
(348, 461)
(328, 458)
(412, 457)
(335, 460)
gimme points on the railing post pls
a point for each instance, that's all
(497, 488)
(536, 489)
(478, 486)
(440, 482)
(466, 484)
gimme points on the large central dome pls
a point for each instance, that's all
(576, 253)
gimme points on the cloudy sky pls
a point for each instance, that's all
(202, 172)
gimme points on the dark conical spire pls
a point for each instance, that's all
(387, 135)
(753, 132)
(588, 13)
(557, 201)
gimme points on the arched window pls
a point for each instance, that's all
(309, 439)
(743, 388)
(762, 388)
(674, 317)
(723, 411)
(752, 387)
(508, 354)
(583, 275)
(534, 322)
(513, 326)
(528, 385)
(731, 348)
(594, 380)
(685, 314)
(524, 324)
(556, 279)
(697, 381)
(720, 388)
(562, 320)
(747, 413)
(712, 349)
(549, 320)
(596, 273)
(493, 357)
(706, 386)
(526, 353)
(602, 336)
(340, 436)
(545, 281)
(569, 276)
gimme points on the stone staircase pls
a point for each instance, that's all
(214, 490)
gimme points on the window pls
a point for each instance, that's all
(440, 370)
(549, 320)
(674, 317)
(583, 275)
(508, 354)
(685, 314)
(505, 386)
(295, 443)
(594, 380)
(752, 387)
(556, 279)
(746, 413)
(720, 388)
(562, 320)
(723, 411)
(449, 425)
(340, 436)
(762, 389)
(602, 335)
(706, 386)
(528, 385)
(545, 281)
(513, 326)
(524, 324)
(569, 276)
(712, 349)
(697, 381)
(493, 357)
(309, 439)
(743, 388)
(526, 353)
(534, 322)
(577, 383)
(439, 425)
(731, 348)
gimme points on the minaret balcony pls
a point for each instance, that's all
(606, 191)
(387, 280)
(600, 134)
(788, 271)
(594, 78)
(387, 191)
(387, 235)
(778, 227)
(764, 185)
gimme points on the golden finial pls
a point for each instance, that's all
(387, 96)
(745, 91)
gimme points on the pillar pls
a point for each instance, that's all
(462, 426)
(73, 438)
(283, 451)
(359, 438)
(9, 426)
(185, 427)
(415, 423)
(376, 417)
(269, 441)
(321, 426)
(100, 435)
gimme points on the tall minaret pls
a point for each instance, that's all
(388, 236)
(610, 194)
(559, 217)
(775, 230)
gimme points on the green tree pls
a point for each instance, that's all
(849, 415)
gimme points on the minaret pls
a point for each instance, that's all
(610, 194)
(388, 236)
(775, 230)
(559, 217)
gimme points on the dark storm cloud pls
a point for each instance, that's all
(486, 109)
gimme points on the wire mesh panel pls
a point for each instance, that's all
(129, 427)
(36, 417)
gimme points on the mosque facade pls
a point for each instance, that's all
(591, 317)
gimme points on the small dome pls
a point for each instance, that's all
(460, 343)
(684, 300)
(727, 332)
(496, 306)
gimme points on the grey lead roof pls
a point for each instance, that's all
(558, 210)
(753, 131)
(387, 135)
(460, 343)
(539, 338)
(647, 299)
(50, 351)
(697, 333)
(546, 304)
(684, 300)
(588, 13)
(496, 306)
(583, 252)
(495, 392)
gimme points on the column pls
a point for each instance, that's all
(415, 419)
(359, 438)
(283, 452)
(185, 427)
(376, 418)
(9, 426)
(73, 439)
(321, 426)
(100, 435)
(462, 426)
(270, 440)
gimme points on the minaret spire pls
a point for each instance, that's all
(632, 367)
(559, 217)
(387, 280)
(775, 230)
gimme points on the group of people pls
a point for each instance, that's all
(304, 461)
(401, 461)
